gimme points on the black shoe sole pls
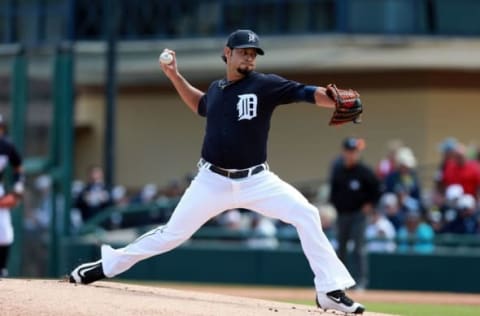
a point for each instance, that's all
(359, 310)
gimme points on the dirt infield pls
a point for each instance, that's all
(54, 298)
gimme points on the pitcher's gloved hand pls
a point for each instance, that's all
(348, 106)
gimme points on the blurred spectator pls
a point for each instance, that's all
(435, 220)
(174, 188)
(405, 184)
(447, 149)
(404, 178)
(354, 193)
(263, 232)
(119, 199)
(380, 233)
(146, 195)
(416, 235)
(388, 164)
(144, 198)
(119, 196)
(37, 219)
(43, 211)
(448, 207)
(466, 217)
(406, 202)
(390, 207)
(328, 217)
(453, 193)
(287, 233)
(77, 188)
(94, 197)
(232, 219)
(444, 207)
(460, 170)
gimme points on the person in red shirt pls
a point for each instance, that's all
(460, 170)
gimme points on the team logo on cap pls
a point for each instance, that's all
(247, 106)
(251, 37)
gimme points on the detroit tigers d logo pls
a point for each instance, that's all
(247, 106)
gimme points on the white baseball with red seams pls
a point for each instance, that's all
(165, 58)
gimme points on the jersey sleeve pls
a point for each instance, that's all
(202, 106)
(285, 91)
(14, 157)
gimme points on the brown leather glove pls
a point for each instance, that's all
(348, 105)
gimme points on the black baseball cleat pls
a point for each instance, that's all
(339, 301)
(87, 273)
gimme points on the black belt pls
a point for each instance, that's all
(237, 174)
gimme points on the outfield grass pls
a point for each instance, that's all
(417, 309)
(423, 309)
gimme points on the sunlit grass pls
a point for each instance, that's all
(416, 309)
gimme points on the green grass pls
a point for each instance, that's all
(423, 309)
(417, 309)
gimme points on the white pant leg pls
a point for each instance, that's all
(208, 195)
(6, 228)
(269, 195)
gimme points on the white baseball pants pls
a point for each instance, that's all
(210, 194)
(6, 228)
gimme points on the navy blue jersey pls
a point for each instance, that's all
(8, 155)
(238, 117)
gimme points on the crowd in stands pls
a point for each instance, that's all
(409, 214)
(93, 196)
(413, 217)
(404, 216)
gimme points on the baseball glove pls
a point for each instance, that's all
(348, 105)
(9, 200)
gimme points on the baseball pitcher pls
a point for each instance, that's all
(233, 170)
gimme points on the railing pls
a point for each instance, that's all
(40, 22)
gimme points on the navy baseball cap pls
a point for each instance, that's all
(244, 39)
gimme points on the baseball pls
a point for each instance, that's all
(166, 58)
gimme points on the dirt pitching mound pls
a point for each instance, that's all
(55, 298)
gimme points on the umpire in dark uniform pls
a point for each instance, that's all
(354, 191)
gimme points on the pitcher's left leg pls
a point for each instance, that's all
(275, 198)
(271, 196)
